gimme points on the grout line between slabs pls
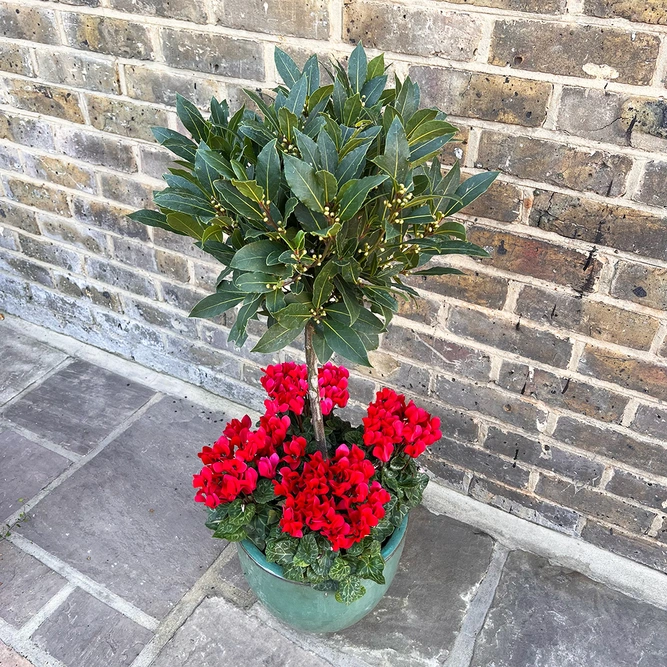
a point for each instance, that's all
(25, 647)
(473, 622)
(66, 474)
(38, 440)
(30, 627)
(98, 591)
(183, 609)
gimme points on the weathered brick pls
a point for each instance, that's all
(172, 266)
(153, 85)
(553, 162)
(496, 97)
(643, 118)
(633, 487)
(119, 277)
(302, 18)
(525, 450)
(456, 149)
(647, 11)
(423, 310)
(447, 474)
(57, 171)
(638, 549)
(19, 217)
(96, 149)
(10, 158)
(206, 275)
(203, 356)
(43, 99)
(594, 503)
(79, 70)
(78, 235)
(8, 239)
(597, 222)
(642, 284)
(651, 419)
(575, 50)
(537, 258)
(545, 6)
(26, 131)
(480, 461)
(181, 297)
(126, 190)
(563, 393)
(125, 118)
(29, 23)
(106, 216)
(407, 377)
(16, 59)
(614, 445)
(50, 253)
(135, 253)
(39, 196)
(178, 243)
(653, 189)
(511, 336)
(437, 352)
(218, 338)
(115, 37)
(474, 287)
(155, 160)
(591, 318)
(593, 114)
(525, 506)
(214, 54)
(79, 288)
(188, 10)
(412, 30)
(488, 400)
(32, 272)
(158, 315)
(502, 202)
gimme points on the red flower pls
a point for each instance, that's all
(267, 465)
(333, 387)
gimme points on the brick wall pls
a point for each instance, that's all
(548, 362)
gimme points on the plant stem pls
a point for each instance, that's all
(314, 391)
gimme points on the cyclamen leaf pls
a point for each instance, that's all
(307, 550)
(350, 590)
(339, 570)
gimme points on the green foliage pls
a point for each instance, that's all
(317, 205)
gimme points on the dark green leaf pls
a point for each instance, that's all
(407, 100)
(340, 569)
(186, 224)
(394, 161)
(371, 566)
(225, 298)
(303, 183)
(308, 149)
(472, 188)
(323, 285)
(235, 201)
(281, 551)
(375, 67)
(268, 172)
(152, 218)
(350, 590)
(250, 189)
(329, 185)
(345, 341)
(351, 165)
(219, 112)
(311, 70)
(328, 152)
(307, 551)
(351, 110)
(372, 90)
(255, 283)
(184, 203)
(357, 66)
(275, 301)
(263, 493)
(353, 194)
(177, 143)
(438, 271)
(295, 315)
(350, 299)
(296, 100)
(276, 338)
(192, 119)
(216, 161)
(252, 257)
(286, 67)
(237, 334)
(322, 350)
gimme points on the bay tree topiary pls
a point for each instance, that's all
(317, 205)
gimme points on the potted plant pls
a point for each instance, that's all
(317, 205)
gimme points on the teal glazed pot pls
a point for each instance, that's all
(301, 606)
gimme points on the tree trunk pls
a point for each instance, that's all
(314, 392)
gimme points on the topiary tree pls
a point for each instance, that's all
(317, 206)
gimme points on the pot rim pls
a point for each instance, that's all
(388, 551)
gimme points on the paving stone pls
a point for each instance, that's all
(220, 634)
(127, 518)
(78, 406)
(442, 564)
(25, 469)
(26, 585)
(10, 658)
(24, 361)
(547, 616)
(84, 632)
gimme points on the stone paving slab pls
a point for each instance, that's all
(418, 619)
(24, 361)
(26, 585)
(546, 616)
(10, 658)
(220, 635)
(127, 519)
(78, 406)
(84, 632)
(25, 469)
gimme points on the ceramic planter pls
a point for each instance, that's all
(304, 608)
